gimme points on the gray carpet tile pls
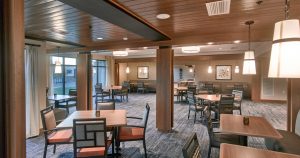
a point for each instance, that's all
(168, 145)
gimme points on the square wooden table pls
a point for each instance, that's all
(237, 151)
(209, 97)
(59, 98)
(114, 118)
(258, 127)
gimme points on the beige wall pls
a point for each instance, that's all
(133, 71)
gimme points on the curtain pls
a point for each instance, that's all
(31, 91)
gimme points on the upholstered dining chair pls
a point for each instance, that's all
(69, 103)
(141, 87)
(122, 93)
(90, 137)
(53, 135)
(225, 105)
(194, 105)
(191, 148)
(126, 85)
(135, 132)
(106, 105)
(238, 98)
(100, 93)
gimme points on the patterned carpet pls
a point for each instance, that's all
(168, 145)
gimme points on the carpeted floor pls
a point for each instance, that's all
(168, 145)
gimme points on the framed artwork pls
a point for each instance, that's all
(223, 72)
(143, 72)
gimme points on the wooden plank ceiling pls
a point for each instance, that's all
(189, 22)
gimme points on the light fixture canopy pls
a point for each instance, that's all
(237, 69)
(190, 49)
(209, 70)
(127, 70)
(249, 67)
(120, 53)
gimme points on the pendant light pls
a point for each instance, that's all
(209, 70)
(249, 67)
(58, 68)
(285, 54)
(127, 69)
(237, 69)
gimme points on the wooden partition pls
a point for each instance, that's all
(293, 103)
(164, 89)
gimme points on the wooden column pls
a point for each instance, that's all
(84, 94)
(164, 89)
(293, 103)
(256, 82)
(12, 81)
(116, 74)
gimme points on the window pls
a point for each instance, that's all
(99, 72)
(62, 82)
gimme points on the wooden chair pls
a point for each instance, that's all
(191, 148)
(100, 93)
(225, 105)
(140, 87)
(194, 106)
(126, 85)
(53, 135)
(239, 87)
(238, 100)
(209, 87)
(105, 106)
(90, 138)
(135, 132)
(69, 103)
(123, 93)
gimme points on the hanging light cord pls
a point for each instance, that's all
(249, 39)
(287, 9)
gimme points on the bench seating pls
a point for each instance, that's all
(290, 142)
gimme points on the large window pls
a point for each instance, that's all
(99, 72)
(62, 82)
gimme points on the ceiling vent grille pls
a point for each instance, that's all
(218, 7)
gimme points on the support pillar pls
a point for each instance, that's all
(164, 89)
(293, 105)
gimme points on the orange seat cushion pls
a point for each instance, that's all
(130, 133)
(91, 152)
(60, 136)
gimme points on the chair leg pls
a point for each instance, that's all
(189, 114)
(195, 116)
(209, 151)
(54, 148)
(45, 150)
(145, 150)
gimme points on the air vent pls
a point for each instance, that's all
(218, 7)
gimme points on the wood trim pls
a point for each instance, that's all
(13, 99)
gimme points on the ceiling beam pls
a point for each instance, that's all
(116, 14)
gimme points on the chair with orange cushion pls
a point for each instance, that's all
(53, 135)
(135, 132)
(90, 137)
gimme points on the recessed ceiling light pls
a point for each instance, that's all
(210, 43)
(220, 48)
(99, 38)
(125, 38)
(237, 41)
(163, 16)
(145, 47)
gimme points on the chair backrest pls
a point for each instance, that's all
(192, 88)
(89, 133)
(191, 148)
(238, 87)
(191, 98)
(98, 88)
(73, 92)
(297, 126)
(208, 86)
(126, 84)
(226, 104)
(48, 118)
(238, 94)
(140, 85)
(145, 117)
(105, 106)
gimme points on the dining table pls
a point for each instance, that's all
(181, 91)
(257, 127)
(113, 90)
(237, 151)
(59, 98)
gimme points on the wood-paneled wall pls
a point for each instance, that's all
(164, 89)
(12, 80)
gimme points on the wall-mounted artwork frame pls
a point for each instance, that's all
(223, 72)
(143, 72)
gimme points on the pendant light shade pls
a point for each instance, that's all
(249, 67)
(57, 68)
(285, 54)
(237, 69)
(127, 70)
(209, 70)
(191, 69)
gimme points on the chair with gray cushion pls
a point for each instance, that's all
(105, 106)
(225, 105)
(194, 105)
(238, 98)
(100, 93)
(90, 138)
(141, 87)
(290, 142)
(69, 103)
(191, 148)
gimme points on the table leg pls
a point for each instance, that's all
(56, 104)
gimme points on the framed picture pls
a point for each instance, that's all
(143, 72)
(223, 72)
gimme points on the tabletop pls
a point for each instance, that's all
(61, 97)
(115, 87)
(237, 151)
(182, 88)
(210, 97)
(114, 118)
(258, 126)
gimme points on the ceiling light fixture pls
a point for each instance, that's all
(285, 57)
(120, 53)
(237, 41)
(58, 68)
(163, 16)
(190, 49)
(249, 67)
(210, 43)
(145, 47)
(99, 38)
(125, 38)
